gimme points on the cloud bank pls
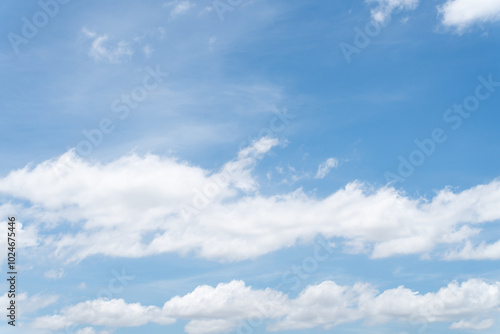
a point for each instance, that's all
(139, 206)
(473, 304)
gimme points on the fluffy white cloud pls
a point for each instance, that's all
(102, 312)
(325, 167)
(227, 307)
(383, 11)
(139, 206)
(469, 300)
(327, 304)
(461, 14)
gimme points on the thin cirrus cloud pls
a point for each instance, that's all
(102, 312)
(463, 14)
(139, 206)
(473, 304)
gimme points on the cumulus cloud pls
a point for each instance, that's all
(102, 312)
(462, 14)
(138, 206)
(384, 9)
(29, 304)
(229, 306)
(325, 167)
(101, 51)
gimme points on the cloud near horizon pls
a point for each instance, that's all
(473, 304)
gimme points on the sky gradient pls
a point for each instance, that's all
(251, 166)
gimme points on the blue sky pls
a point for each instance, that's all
(252, 166)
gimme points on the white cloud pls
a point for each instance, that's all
(100, 51)
(470, 305)
(26, 236)
(223, 308)
(86, 330)
(102, 312)
(469, 300)
(327, 305)
(150, 200)
(148, 50)
(139, 206)
(384, 9)
(54, 273)
(325, 167)
(481, 252)
(29, 304)
(475, 324)
(462, 14)
(179, 7)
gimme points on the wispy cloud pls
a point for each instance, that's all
(325, 167)
(385, 8)
(54, 273)
(101, 51)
